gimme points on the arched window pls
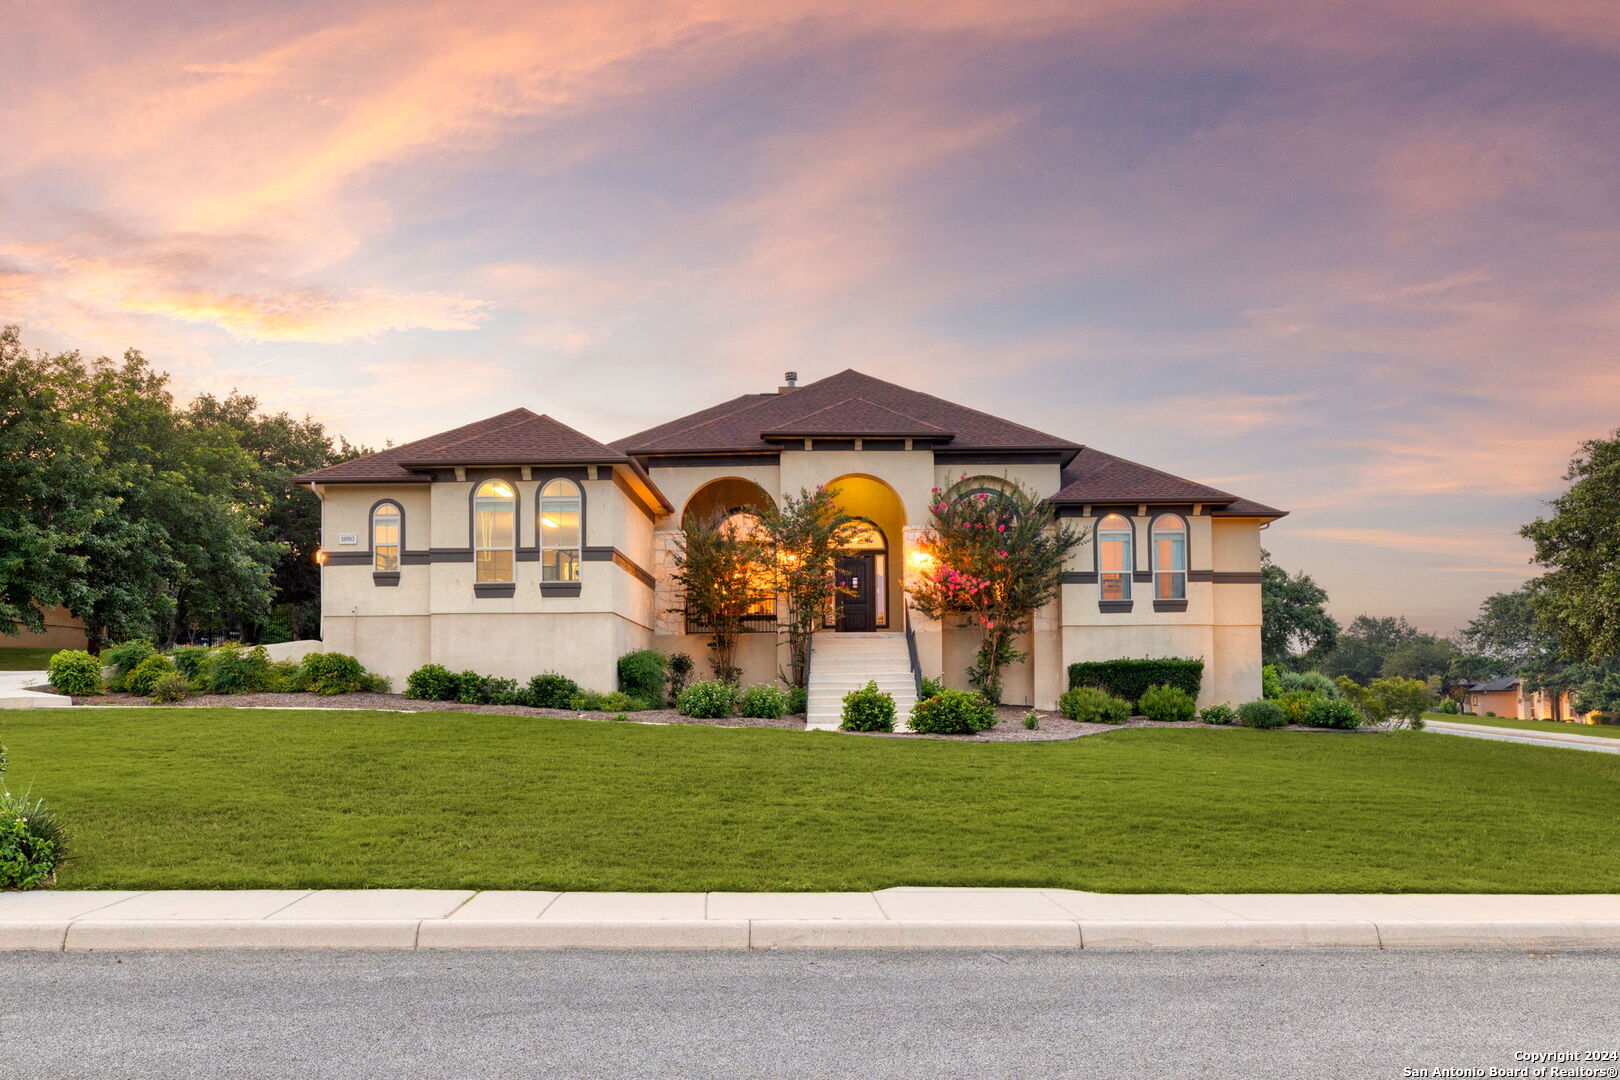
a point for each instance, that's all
(494, 531)
(559, 531)
(1114, 563)
(743, 524)
(385, 520)
(1169, 558)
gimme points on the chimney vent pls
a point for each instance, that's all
(791, 378)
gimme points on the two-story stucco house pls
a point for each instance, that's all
(516, 544)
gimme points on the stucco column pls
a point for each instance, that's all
(928, 632)
(1046, 655)
(667, 619)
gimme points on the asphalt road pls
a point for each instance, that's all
(852, 1014)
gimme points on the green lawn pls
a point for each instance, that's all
(19, 658)
(216, 798)
(1608, 731)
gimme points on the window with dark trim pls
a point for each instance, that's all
(1169, 558)
(1114, 564)
(385, 529)
(494, 531)
(560, 535)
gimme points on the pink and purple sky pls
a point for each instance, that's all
(1356, 259)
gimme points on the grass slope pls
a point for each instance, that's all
(25, 658)
(217, 798)
(1609, 731)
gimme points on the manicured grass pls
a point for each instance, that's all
(215, 798)
(1609, 731)
(21, 658)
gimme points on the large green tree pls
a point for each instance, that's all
(1365, 644)
(1578, 599)
(1294, 622)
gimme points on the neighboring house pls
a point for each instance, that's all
(1507, 696)
(517, 545)
(62, 631)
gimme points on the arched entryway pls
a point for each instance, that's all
(732, 505)
(873, 568)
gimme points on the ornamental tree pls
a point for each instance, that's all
(998, 559)
(805, 534)
(723, 573)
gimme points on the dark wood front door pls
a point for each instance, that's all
(857, 608)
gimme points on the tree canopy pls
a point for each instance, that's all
(1578, 599)
(1294, 622)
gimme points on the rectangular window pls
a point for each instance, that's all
(385, 542)
(1114, 565)
(493, 529)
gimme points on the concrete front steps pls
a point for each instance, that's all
(840, 663)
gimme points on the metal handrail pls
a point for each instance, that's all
(911, 647)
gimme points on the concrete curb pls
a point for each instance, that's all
(87, 935)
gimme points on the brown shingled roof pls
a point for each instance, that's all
(1096, 477)
(873, 407)
(517, 437)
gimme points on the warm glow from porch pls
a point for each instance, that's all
(921, 559)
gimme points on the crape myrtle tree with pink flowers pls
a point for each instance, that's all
(998, 558)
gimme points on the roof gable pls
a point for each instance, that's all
(849, 403)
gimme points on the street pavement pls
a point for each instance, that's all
(872, 1014)
(1564, 740)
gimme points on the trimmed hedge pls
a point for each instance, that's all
(1130, 679)
(74, 671)
(1089, 705)
(641, 675)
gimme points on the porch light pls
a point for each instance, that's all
(921, 558)
(320, 556)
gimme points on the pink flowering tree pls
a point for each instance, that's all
(998, 558)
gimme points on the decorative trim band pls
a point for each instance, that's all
(385, 577)
(1169, 605)
(559, 588)
(1114, 607)
(494, 588)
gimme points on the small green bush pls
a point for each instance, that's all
(680, 667)
(372, 683)
(288, 677)
(74, 671)
(475, 689)
(1222, 714)
(1261, 714)
(124, 658)
(190, 659)
(617, 701)
(1312, 682)
(32, 842)
(171, 688)
(550, 691)
(1294, 703)
(1489, 713)
(1270, 682)
(1130, 679)
(1089, 705)
(798, 700)
(232, 669)
(329, 673)
(763, 702)
(707, 700)
(1032, 720)
(953, 712)
(1449, 707)
(868, 709)
(433, 682)
(641, 674)
(931, 687)
(146, 674)
(1167, 704)
(1331, 713)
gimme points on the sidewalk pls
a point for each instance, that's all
(1568, 740)
(905, 918)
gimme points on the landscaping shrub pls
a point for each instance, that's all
(328, 673)
(372, 683)
(31, 842)
(231, 669)
(171, 688)
(433, 682)
(1294, 704)
(123, 659)
(550, 691)
(641, 674)
(680, 669)
(145, 674)
(709, 700)
(931, 687)
(763, 702)
(1130, 679)
(190, 659)
(798, 700)
(475, 689)
(952, 712)
(617, 701)
(1449, 707)
(868, 709)
(1270, 682)
(1262, 714)
(1222, 714)
(1311, 682)
(1331, 713)
(1032, 720)
(74, 671)
(1089, 705)
(1167, 704)
(287, 677)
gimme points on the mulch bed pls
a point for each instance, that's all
(1009, 727)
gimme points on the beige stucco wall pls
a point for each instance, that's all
(62, 631)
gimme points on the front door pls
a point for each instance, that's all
(857, 608)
